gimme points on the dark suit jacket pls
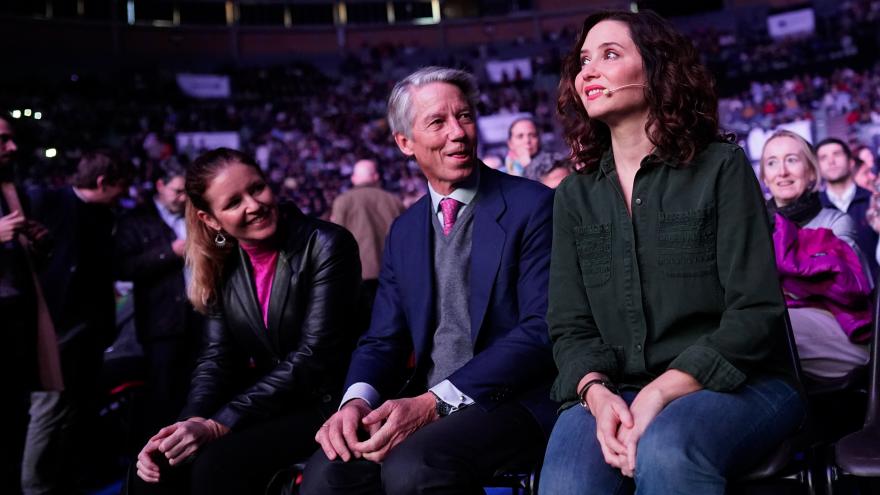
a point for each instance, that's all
(300, 360)
(80, 296)
(509, 264)
(867, 237)
(144, 256)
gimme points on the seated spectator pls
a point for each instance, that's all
(828, 296)
(273, 354)
(549, 169)
(865, 173)
(523, 144)
(837, 166)
(664, 308)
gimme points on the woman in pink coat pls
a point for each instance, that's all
(822, 272)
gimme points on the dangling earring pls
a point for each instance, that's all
(220, 240)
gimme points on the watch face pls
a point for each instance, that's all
(443, 408)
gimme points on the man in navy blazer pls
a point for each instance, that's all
(451, 382)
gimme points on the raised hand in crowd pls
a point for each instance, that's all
(10, 225)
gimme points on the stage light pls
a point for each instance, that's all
(16, 114)
(27, 112)
(51, 153)
(38, 115)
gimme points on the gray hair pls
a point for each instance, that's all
(400, 111)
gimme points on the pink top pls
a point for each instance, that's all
(263, 260)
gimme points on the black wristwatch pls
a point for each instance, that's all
(443, 408)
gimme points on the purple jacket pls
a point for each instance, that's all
(818, 270)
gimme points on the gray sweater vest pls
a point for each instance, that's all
(452, 346)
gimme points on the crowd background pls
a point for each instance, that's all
(309, 120)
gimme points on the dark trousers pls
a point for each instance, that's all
(456, 455)
(241, 462)
(18, 375)
(170, 362)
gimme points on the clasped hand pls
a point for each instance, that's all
(619, 427)
(177, 443)
(385, 427)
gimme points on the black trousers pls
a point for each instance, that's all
(18, 376)
(456, 455)
(241, 462)
(170, 362)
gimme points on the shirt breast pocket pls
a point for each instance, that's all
(686, 242)
(594, 253)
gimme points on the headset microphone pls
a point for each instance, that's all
(609, 92)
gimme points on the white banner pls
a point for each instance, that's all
(204, 85)
(757, 136)
(520, 68)
(493, 128)
(195, 143)
(793, 23)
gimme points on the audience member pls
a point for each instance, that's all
(277, 286)
(673, 342)
(19, 307)
(367, 212)
(865, 174)
(149, 251)
(523, 143)
(837, 165)
(78, 286)
(828, 297)
(462, 293)
(549, 169)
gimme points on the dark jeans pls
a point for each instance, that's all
(689, 449)
(454, 455)
(242, 462)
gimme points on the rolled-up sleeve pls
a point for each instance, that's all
(751, 326)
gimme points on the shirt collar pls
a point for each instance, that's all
(845, 198)
(167, 216)
(464, 192)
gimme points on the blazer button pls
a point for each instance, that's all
(326, 398)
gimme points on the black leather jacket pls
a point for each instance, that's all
(247, 372)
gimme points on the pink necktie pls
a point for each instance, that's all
(449, 207)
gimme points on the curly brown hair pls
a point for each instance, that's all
(680, 93)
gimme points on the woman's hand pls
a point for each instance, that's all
(612, 415)
(644, 408)
(147, 469)
(177, 442)
(667, 387)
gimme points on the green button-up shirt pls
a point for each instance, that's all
(687, 282)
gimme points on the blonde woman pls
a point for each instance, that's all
(278, 288)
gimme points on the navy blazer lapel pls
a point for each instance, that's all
(418, 262)
(247, 297)
(487, 246)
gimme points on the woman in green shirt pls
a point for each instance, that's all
(664, 309)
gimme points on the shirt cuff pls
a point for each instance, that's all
(361, 390)
(448, 393)
(709, 368)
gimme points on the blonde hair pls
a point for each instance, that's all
(806, 151)
(204, 258)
